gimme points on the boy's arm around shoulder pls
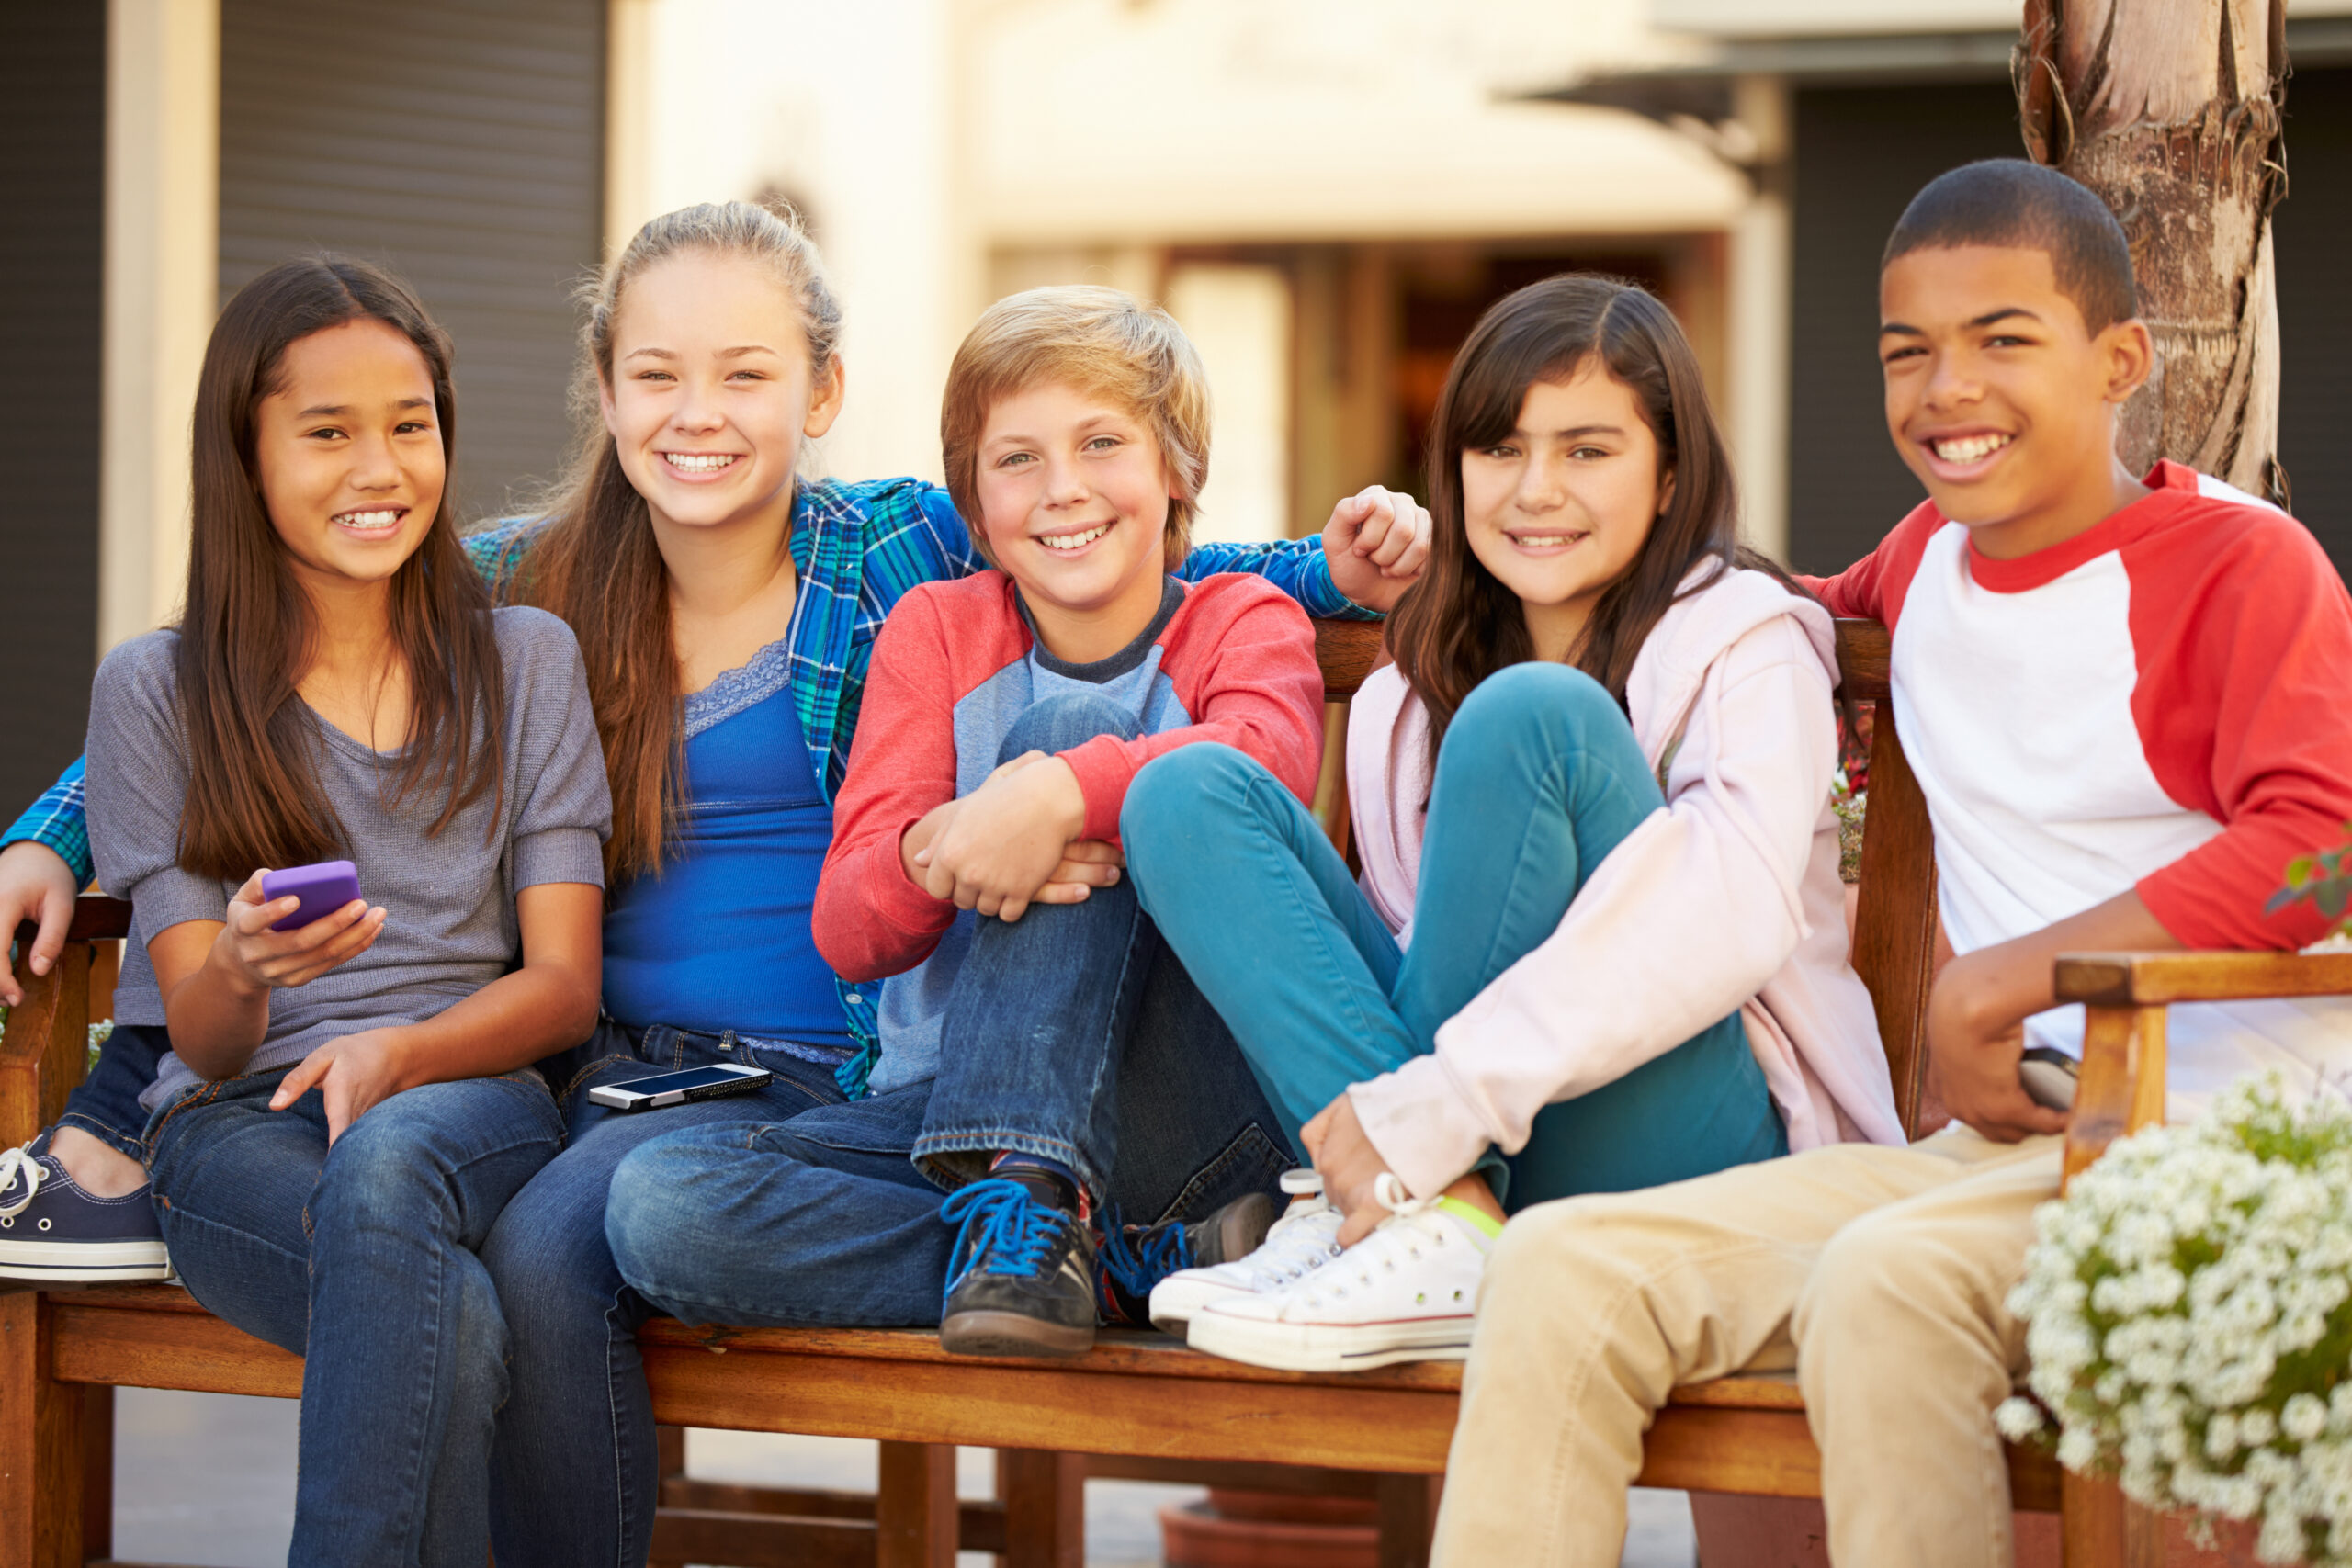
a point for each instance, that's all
(1872, 589)
(869, 920)
(44, 863)
(1241, 657)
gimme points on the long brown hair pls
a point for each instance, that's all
(248, 632)
(1459, 624)
(596, 563)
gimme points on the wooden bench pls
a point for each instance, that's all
(1138, 1405)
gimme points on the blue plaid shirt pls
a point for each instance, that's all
(858, 548)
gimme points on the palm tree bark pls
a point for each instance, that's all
(2169, 109)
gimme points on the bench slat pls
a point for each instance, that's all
(1034, 1405)
(143, 1348)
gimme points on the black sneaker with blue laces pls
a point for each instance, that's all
(1020, 1278)
(1137, 1257)
(54, 1232)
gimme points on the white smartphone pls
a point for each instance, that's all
(2049, 1076)
(677, 1088)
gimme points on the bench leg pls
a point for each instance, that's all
(2099, 1528)
(41, 1450)
(914, 1509)
(671, 1443)
(1044, 1507)
(97, 1471)
(1408, 1519)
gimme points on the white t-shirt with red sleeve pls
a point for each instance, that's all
(2161, 702)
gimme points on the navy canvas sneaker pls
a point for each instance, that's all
(1021, 1279)
(1137, 1257)
(54, 1232)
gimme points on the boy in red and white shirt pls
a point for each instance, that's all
(2122, 699)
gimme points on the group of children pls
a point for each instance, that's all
(977, 818)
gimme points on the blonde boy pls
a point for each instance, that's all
(1042, 1056)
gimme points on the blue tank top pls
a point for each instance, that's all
(720, 940)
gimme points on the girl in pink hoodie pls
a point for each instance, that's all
(1598, 941)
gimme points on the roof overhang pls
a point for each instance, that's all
(1700, 82)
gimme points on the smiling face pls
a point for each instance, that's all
(348, 454)
(2000, 399)
(1559, 509)
(710, 391)
(1074, 497)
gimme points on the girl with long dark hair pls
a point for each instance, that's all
(1599, 940)
(345, 1107)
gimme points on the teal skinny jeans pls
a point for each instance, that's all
(1538, 779)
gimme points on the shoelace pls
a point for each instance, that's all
(1294, 1247)
(1136, 1269)
(1015, 1234)
(1379, 1249)
(20, 1165)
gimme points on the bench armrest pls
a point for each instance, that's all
(2124, 995)
(96, 918)
(44, 1050)
(2147, 979)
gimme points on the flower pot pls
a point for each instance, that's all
(1271, 1530)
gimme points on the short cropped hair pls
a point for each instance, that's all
(1101, 342)
(2011, 202)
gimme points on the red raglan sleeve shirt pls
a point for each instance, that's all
(2243, 634)
(1238, 654)
(1241, 657)
(869, 920)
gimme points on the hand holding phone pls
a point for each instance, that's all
(2049, 1077)
(322, 889)
(258, 948)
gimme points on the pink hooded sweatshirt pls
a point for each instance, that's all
(1726, 898)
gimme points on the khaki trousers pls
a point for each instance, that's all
(1878, 1274)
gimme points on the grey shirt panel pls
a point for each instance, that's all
(450, 925)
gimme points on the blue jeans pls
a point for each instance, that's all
(576, 1470)
(362, 1259)
(106, 1103)
(1070, 1033)
(1539, 778)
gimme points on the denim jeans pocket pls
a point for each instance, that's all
(885, 1123)
(797, 1079)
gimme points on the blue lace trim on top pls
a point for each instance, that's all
(745, 686)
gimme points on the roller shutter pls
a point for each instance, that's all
(460, 142)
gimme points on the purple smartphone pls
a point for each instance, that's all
(323, 888)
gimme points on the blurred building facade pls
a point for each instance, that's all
(1327, 193)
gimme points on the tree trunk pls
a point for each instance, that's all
(2169, 109)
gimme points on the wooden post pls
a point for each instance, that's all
(45, 1051)
(914, 1507)
(2122, 1085)
(2099, 1528)
(41, 1445)
(671, 1445)
(98, 1471)
(1408, 1519)
(1044, 1507)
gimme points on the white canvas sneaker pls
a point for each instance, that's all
(1406, 1293)
(1305, 1238)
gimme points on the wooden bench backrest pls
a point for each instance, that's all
(1894, 931)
